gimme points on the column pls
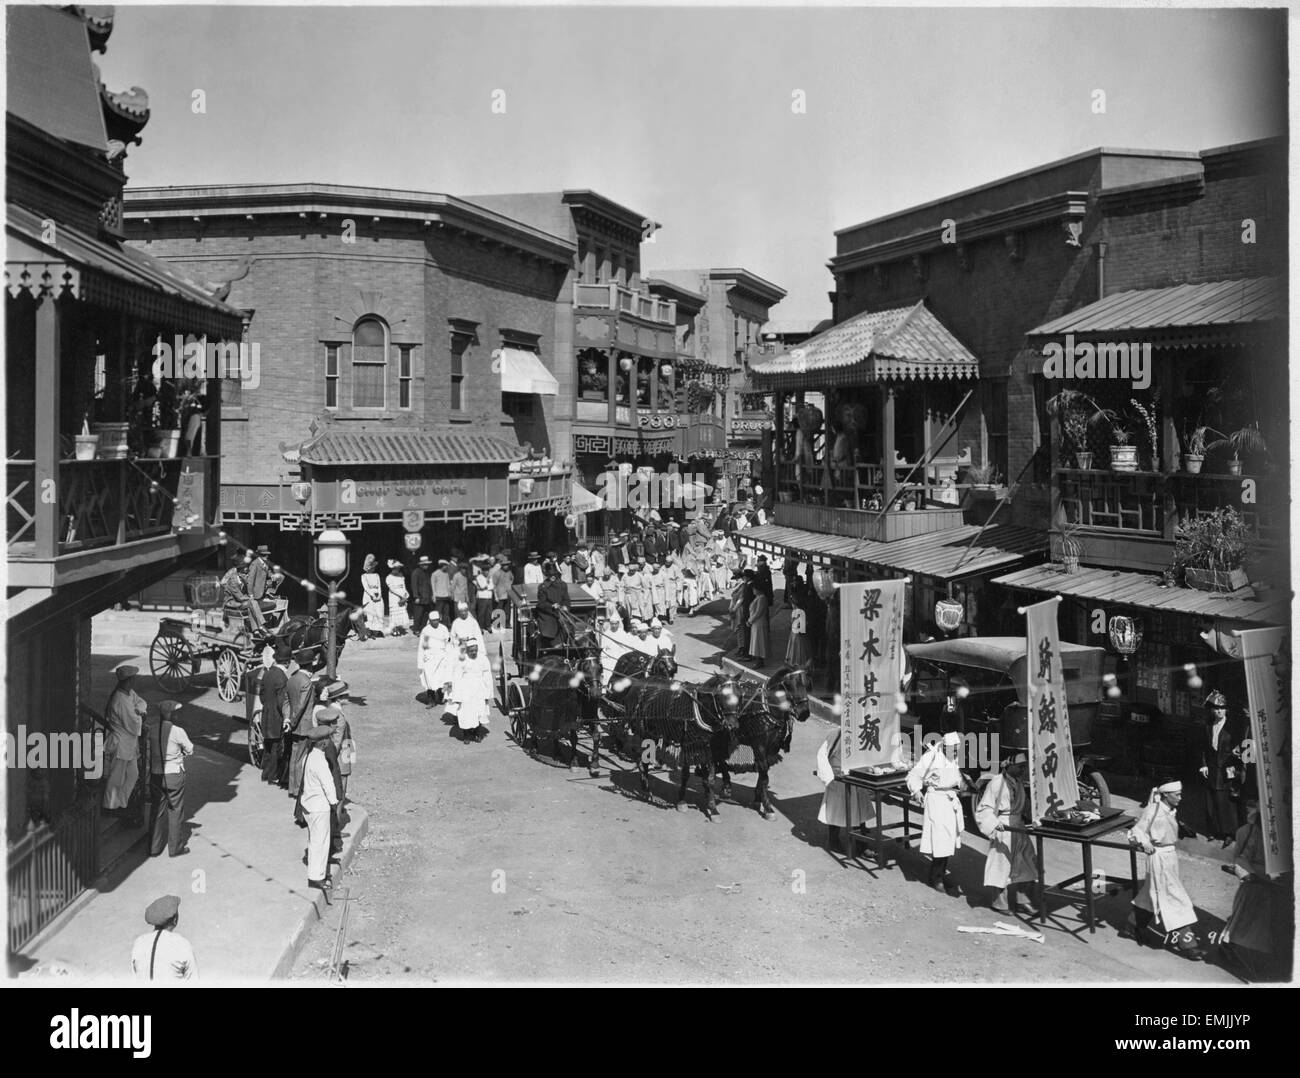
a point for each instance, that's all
(888, 477)
(48, 352)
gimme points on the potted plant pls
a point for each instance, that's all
(1070, 546)
(983, 477)
(1071, 408)
(87, 443)
(1194, 456)
(1147, 413)
(1211, 550)
(1123, 454)
(1247, 440)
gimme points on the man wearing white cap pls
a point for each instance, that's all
(124, 714)
(463, 627)
(435, 643)
(1163, 896)
(661, 638)
(469, 692)
(1010, 859)
(936, 780)
(641, 640)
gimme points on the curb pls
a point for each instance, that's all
(358, 827)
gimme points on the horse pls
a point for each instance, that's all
(768, 712)
(564, 695)
(310, 632)
(701, 720)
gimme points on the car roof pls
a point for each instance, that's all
(983, 652)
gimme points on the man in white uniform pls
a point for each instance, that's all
(935, 781)
(661, 638)
(469, 697)
(163, 954)
(464, 628)
(1163, 896)
(125, 717)
(432, 654)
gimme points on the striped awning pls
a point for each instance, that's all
(947, 555)
(524, 372)
(902, 343)
(336, 448)
(1143, 590)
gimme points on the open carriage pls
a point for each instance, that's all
(231, 642)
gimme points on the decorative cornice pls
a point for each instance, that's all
(1152, 193)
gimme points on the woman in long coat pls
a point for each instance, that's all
(759, 644)
(1010, 859)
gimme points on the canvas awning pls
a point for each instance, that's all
(523, 372)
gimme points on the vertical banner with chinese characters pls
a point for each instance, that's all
(1266, 656)
(871, 662)
(187, 513)
(1052, 783)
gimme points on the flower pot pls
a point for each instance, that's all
(1123, 458)
(1217, 579)
(87, 446)
(112, 440)
(1083, 459)
(1070, 562)
(1234, 467)
(1192, 463)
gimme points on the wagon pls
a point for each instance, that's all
(210, 634)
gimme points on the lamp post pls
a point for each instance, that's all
(331, 566)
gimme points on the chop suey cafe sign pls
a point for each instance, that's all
(348, 495)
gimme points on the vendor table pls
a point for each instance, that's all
(884, 790)
(1086, 838)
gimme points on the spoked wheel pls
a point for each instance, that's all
(1093, 787)
(255, 745)
(230, 674)
(501, 680)
(171, 662)
(517, 708)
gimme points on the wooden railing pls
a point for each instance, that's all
(614, 297)
(49, 867)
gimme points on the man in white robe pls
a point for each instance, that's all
(614, 644)
(1163, 896)
(936, 781)
(1010, 859)
(465, 628)
(661, 638)
(432, 656)
(832, 812)
(124, 714)
(469, 693)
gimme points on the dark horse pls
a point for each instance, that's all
(699, 720)
(768, 712)
(565, 688)
(312, 632)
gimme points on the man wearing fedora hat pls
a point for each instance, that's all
(259, 572)
(302, 688)
(162, 953)
(124, 713)
(168, 747)
(421, 594)
(532, 568)
(276, 713)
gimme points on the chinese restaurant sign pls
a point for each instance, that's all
(871, 659)
(1266, 655)
(1052, 783)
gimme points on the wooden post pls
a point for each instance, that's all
(611, 367)
(48, 363)
(889, 478)
(1168, 459)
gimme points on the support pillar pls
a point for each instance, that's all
(888, 476)
(49, 327)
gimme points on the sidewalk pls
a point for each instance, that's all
(245, 905)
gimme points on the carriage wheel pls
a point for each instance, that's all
(230, 674)
(255, 745)
(517, 701)
(171, 662)
(501, 679)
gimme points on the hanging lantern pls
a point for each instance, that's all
(666, 370)
(824, 583)
(625, 364)
(570, 522)
(1125, 634)
(948, 614)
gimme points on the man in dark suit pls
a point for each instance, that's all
(302, 697)
(421, 594)
(1219, 739)
(617, 553)
(552, 596)
(275, 712)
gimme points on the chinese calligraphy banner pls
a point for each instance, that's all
(871, 662)
(1052, 783)
(187, 512)
(1266, 656)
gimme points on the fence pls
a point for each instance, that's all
(49, 868)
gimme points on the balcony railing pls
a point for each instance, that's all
(99, 503)
(49, 867)
(614, 297)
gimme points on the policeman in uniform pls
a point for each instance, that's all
(163, 954)
(552, 597)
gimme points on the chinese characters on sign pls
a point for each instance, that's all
(187, 513)
(1052, 783)
(871, 637)
(1266, 655)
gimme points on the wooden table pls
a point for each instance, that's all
(885, 790)
(1086, 838)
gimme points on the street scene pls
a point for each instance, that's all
(866, 561)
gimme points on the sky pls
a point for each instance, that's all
(687, 115)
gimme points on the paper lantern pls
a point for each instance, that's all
(824, 583)
(666, 370)
(571, 522)
(948, 614)
(625, 364)
(1125, 634)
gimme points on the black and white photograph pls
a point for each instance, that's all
(603, 494)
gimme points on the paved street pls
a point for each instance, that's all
(485, 865)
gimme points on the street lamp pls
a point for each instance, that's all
(331, 566)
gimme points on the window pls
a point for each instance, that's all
(369, 363)
(404, 375)
(593, 375)
(458, 346)
(331, 376)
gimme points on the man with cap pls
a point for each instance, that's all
(463, 627)
(162, 953)
(1216, 748)
(1010, 859)
(759, 629)
(276, 712)
(318, 798)
(657, 586)
(616, 555)
(503, 579)
(1163, 896)
(435, 640)
(641, 638)
(673, 585)
(331, 718)
(469, 693)
(935, 781)
(460, 586)
(661, 638)
(124, 713)
(421, 593)
(552, 597)
(168, 747)
(482, 592)
(301, 688)
(532, 569)
(763, 579)
(636, 592)
(595, 561)
(259, 572)
(440, 583)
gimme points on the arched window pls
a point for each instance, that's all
(369, 363)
